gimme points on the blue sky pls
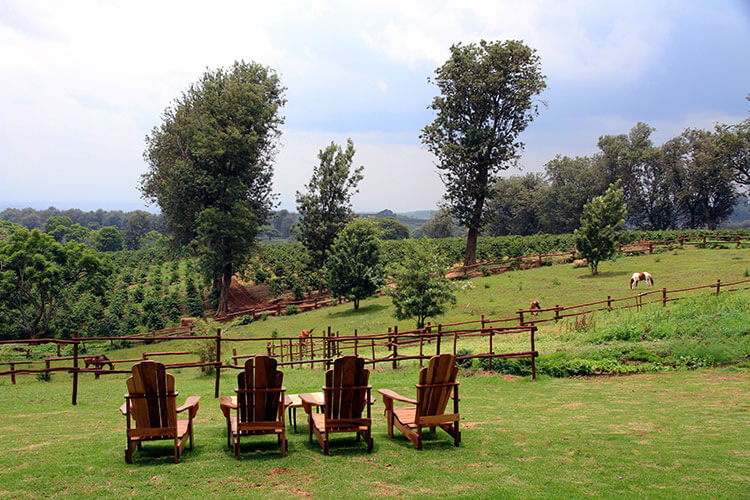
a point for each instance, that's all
(83, 82)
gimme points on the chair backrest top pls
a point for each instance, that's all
(254, 401)
(436, 381)
(152, 396)
(345, 391)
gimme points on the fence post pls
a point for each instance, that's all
(650, 247)
(609, 302)
(682, 241)
(533, 358)
(482, 321)
(218, 361)
(557, 313)
(13, 373)
(718, 286)
(439, 336)
(372, 344)
(421, 345)
(312, 351)
(47, 367)
(664, 297)
(327, 348)
(520, 318)
(75, 369)
(492, 334)
(738, 240)
(395, 347)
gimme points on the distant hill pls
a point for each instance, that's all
(414, 220)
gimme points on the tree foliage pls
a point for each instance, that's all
(391, 228)
(38, 275)
(602, 218)
(354, 267)
(108, 239)
(420, 289)
(325, 207)
(210, 165)
(487, 100)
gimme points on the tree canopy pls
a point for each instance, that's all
(420, 289)
(38, 275)
(602, 218)
(210, 165)
(325, 207)
(487, 99)
(354, 268)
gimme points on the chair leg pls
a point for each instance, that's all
(129, 452)
(176, 450)
(237, 445)
(191, 435)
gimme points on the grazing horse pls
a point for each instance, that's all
(535, 305)
(99, 361)
(644, 276)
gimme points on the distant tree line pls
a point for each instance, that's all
(692, 181)
(76, 225)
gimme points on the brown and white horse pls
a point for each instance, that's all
(644, 276)
(535, 305)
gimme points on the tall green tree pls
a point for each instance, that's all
(210, 166)
(354, 268)
(39, 275)
(325, 207)
(516, 205)
(420, 289)
(706, 192)
(107, 239)
(137, 225)
(392, 229)
(487, 99)
(602, 218)
(440, 225)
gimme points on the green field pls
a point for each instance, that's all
(674, 434)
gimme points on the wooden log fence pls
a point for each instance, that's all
(324, 349)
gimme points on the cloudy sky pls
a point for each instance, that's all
(83, 82)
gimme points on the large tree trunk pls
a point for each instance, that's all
(226, 281)
(471, 247)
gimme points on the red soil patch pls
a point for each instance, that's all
(247, 296)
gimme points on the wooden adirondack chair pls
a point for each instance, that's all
(260, 408)
(346, 394)
(152, 403)
(436, 382)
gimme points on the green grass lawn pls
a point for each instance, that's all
(659, 435)
(670, 435)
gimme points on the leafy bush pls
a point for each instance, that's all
(464, 363)
(206, 352)
(292, 309)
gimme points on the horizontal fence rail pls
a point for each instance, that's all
(325, 348)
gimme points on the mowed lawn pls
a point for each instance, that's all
(668, 435)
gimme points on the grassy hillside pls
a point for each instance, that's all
(675, 434)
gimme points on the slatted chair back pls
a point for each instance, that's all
(153, 400)
(436, 382)
(258, 390)
(345, 392)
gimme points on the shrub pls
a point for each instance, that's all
(292, 309)
(245, 320)
(464, 363)
(206, 352)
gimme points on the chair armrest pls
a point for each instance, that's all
(389, 394)
(308, 402)
(192, 404)
(124, 408)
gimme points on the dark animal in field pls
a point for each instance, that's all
(98, 361)
(644, 276)
(535, 305)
